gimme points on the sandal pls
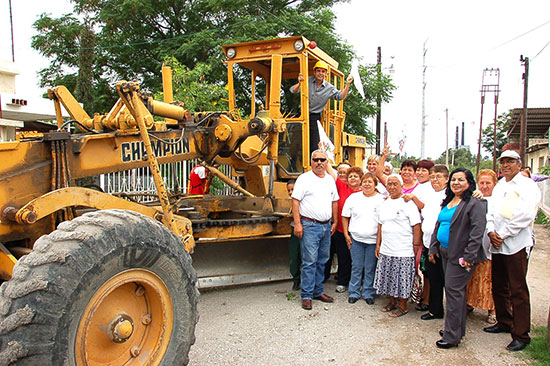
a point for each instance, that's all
(398, 312)
(388, 307)
(492, 318)
(422, 307)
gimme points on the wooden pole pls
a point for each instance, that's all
(523, 131)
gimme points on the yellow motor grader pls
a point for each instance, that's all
(91, 278)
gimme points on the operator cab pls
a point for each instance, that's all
(260, 81)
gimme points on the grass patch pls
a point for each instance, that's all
(290, 296)
(542, 219)
(537, 351)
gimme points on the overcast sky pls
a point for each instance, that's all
(462, 39)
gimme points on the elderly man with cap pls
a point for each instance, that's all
(320, 91)
(511, 211)
(314, 205)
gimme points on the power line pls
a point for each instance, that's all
(521, 35)
(540, 51)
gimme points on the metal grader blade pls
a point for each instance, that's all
(228, 263)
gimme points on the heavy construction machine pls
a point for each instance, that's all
(90, 278)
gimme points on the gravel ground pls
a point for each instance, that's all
(265, 325)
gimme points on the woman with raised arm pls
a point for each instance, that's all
(408, 172)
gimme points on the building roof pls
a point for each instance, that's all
(538, 122)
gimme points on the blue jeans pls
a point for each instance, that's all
(315, 246)
(364, 261)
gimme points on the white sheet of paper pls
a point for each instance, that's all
(357, 78)
(325, 142)
(510, 202)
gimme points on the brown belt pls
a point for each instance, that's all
(313, 220)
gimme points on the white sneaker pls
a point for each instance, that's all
(340, 289)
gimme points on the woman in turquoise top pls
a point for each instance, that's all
(457, 238)
(444, 218)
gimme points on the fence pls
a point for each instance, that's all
(139, 182)
(545, 190)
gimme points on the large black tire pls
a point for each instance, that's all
(42, 305)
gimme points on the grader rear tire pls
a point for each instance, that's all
(108, 288)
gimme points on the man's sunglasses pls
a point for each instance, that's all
(322, 160)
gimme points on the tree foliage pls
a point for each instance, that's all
(463, 158)
(193, 89)
(134, 37)
(487, 136)
(84, 81)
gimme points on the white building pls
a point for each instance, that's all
(16, 109)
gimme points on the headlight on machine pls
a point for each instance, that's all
(231, 52)
(298, 45)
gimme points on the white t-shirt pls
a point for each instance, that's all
(430, 212)
(200, 171)
(363, 225)
(382, 190)
(315, 195)
(397, 218)
(423, 191)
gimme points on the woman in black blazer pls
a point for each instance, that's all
(457, 238)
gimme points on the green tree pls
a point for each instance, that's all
(463, 158)
(487, 136)
(192, 88)
(134, 37)
(84, 82)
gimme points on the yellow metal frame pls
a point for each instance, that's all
(252, 54)
(56, 200)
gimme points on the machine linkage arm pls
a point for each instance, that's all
(118, 118)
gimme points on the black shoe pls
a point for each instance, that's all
(296, 286)
(442, 344)
(352, 300)
(430, 316)
(495, 329)
(421, 307)
(516, 345)
(369, 301)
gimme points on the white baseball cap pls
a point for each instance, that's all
(510, 154)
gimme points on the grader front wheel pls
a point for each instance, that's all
(108, 288)
(124, 309)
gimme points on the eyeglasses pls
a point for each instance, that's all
(317, 160)
(507, 162)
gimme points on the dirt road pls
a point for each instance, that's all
(265, 325)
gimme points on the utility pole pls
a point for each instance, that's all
(423, 126)
(447, 137)
(378, 101)
(495, 132)
(523, 130)
(491, 86)
(12, 43)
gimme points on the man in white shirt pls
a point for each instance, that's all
(512, 209)
(314, 204)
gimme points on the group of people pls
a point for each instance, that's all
(386, 229)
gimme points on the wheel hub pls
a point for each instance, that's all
(107, 333)
(120, 328)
